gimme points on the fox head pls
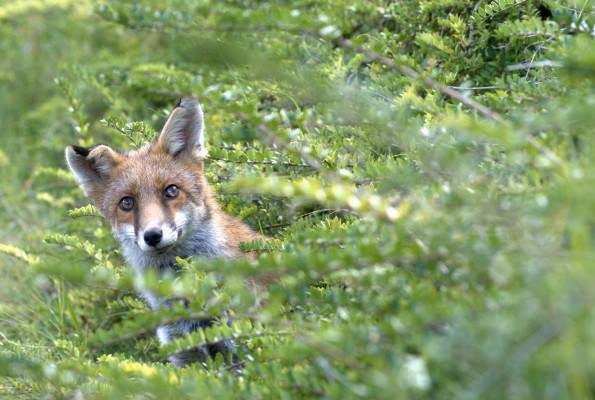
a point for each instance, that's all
(155, 195)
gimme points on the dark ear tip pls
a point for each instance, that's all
(188, 102)
(81, 151)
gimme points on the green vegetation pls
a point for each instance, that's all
(425, 168)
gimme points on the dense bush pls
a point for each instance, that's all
(425, 170)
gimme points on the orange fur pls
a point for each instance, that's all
(160, 206)
(176, 158)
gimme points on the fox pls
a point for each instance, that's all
(160, 206)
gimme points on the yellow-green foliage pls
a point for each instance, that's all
(425, 170)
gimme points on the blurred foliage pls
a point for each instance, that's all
(424, 247)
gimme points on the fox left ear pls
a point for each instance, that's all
(183, 131)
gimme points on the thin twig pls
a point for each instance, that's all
(476, 87)
(331, 211)
(146, 331)
(531, 65)
(277, 142)
(285, 164)
(506, 8)
(240, 338)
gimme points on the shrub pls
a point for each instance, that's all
(425, 170)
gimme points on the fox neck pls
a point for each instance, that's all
(207, 240)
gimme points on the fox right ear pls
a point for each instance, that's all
(91, 166)
(183, 130)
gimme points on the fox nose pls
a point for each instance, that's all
(153, 237)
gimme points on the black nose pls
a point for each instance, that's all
(153, 237)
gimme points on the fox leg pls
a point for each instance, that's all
(168, 332)
(199, 353)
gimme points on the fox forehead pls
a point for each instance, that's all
(145, 173)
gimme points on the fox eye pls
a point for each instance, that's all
(171, 192)
(126, 203)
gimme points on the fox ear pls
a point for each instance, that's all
(183, 131)
(91, 166)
